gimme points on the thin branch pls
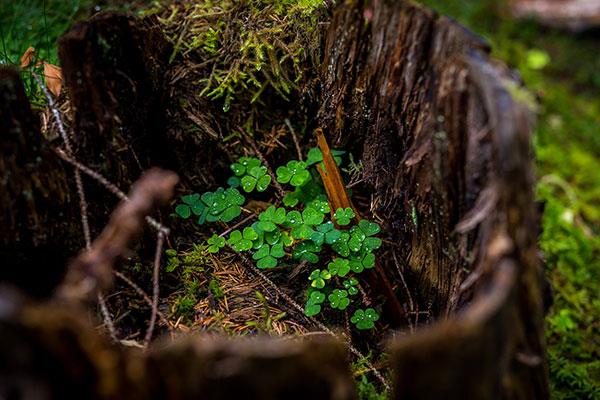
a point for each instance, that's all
(143, 295)
(156, 287)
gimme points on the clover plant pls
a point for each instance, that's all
(300, 229)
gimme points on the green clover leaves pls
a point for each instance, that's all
(307, 251)
(343, 216)
(257, 178)
(221, 205)
(244, 165)
(361, 236)
(325, 233)
(270, 218)
(302, 224)
(315, 155)
(242, 241)
(267, 256)
(364, 319)
(313, 305)
(339, 299)
(318, 278)
(294, 172)
(351, 286)
(216, 243)
(339, 267)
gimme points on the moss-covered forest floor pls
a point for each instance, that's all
(562, 72)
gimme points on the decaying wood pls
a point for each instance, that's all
(575, 15)
(39, 224)
(93, 270)
(416, 95)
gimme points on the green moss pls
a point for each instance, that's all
(562, 70)
(253, 46)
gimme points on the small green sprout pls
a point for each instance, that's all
(315, 155)
(244, 165)
(361, 236)
(257, 178)
(267, 256)
(343, 216)
(270, 218)
(325, 233)
(339, 267)
(313, 305)
(339, 299)
(365, 260)
(302, 224)
(318, 278)
(216, 243)
(351, 286)
(294, 172)
(307, 251)
(364, 319)
(242, 241)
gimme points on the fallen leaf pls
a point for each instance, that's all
(53, 75)
(27, 57)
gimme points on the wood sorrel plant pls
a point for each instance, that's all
(305, 230)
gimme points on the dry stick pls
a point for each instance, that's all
(82, 201)
(338, 198)
(410, 300)
(295, 138)
(264, 161)
(315, 321)
(156, 287)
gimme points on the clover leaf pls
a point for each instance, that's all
(302, 224)
(361, 236)
(191, 204)
(315, 155)
(291, 199)
(270, 218)
(294, 172)
(340, 246)
(257, 178)
(223, 205)
(365, 260)
(343, 216)
(216, 243)
(306, 251)
(244, 165)
(325, 233)
(278, 236)
(364, 319)
(339, 299)
(350, 286)
(313, 305)
(339, 267)
(318, 278)
(242, 241)
(267, 256)
(320, 205)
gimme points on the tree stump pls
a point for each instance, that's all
(447, 162)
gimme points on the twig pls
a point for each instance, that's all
(410, 300)
(156, 287)
(83, 206)
(295, 138)
(242, 222)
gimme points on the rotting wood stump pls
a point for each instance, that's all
(447, 161)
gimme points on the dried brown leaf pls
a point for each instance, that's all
(27, 57)
(53, 75)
